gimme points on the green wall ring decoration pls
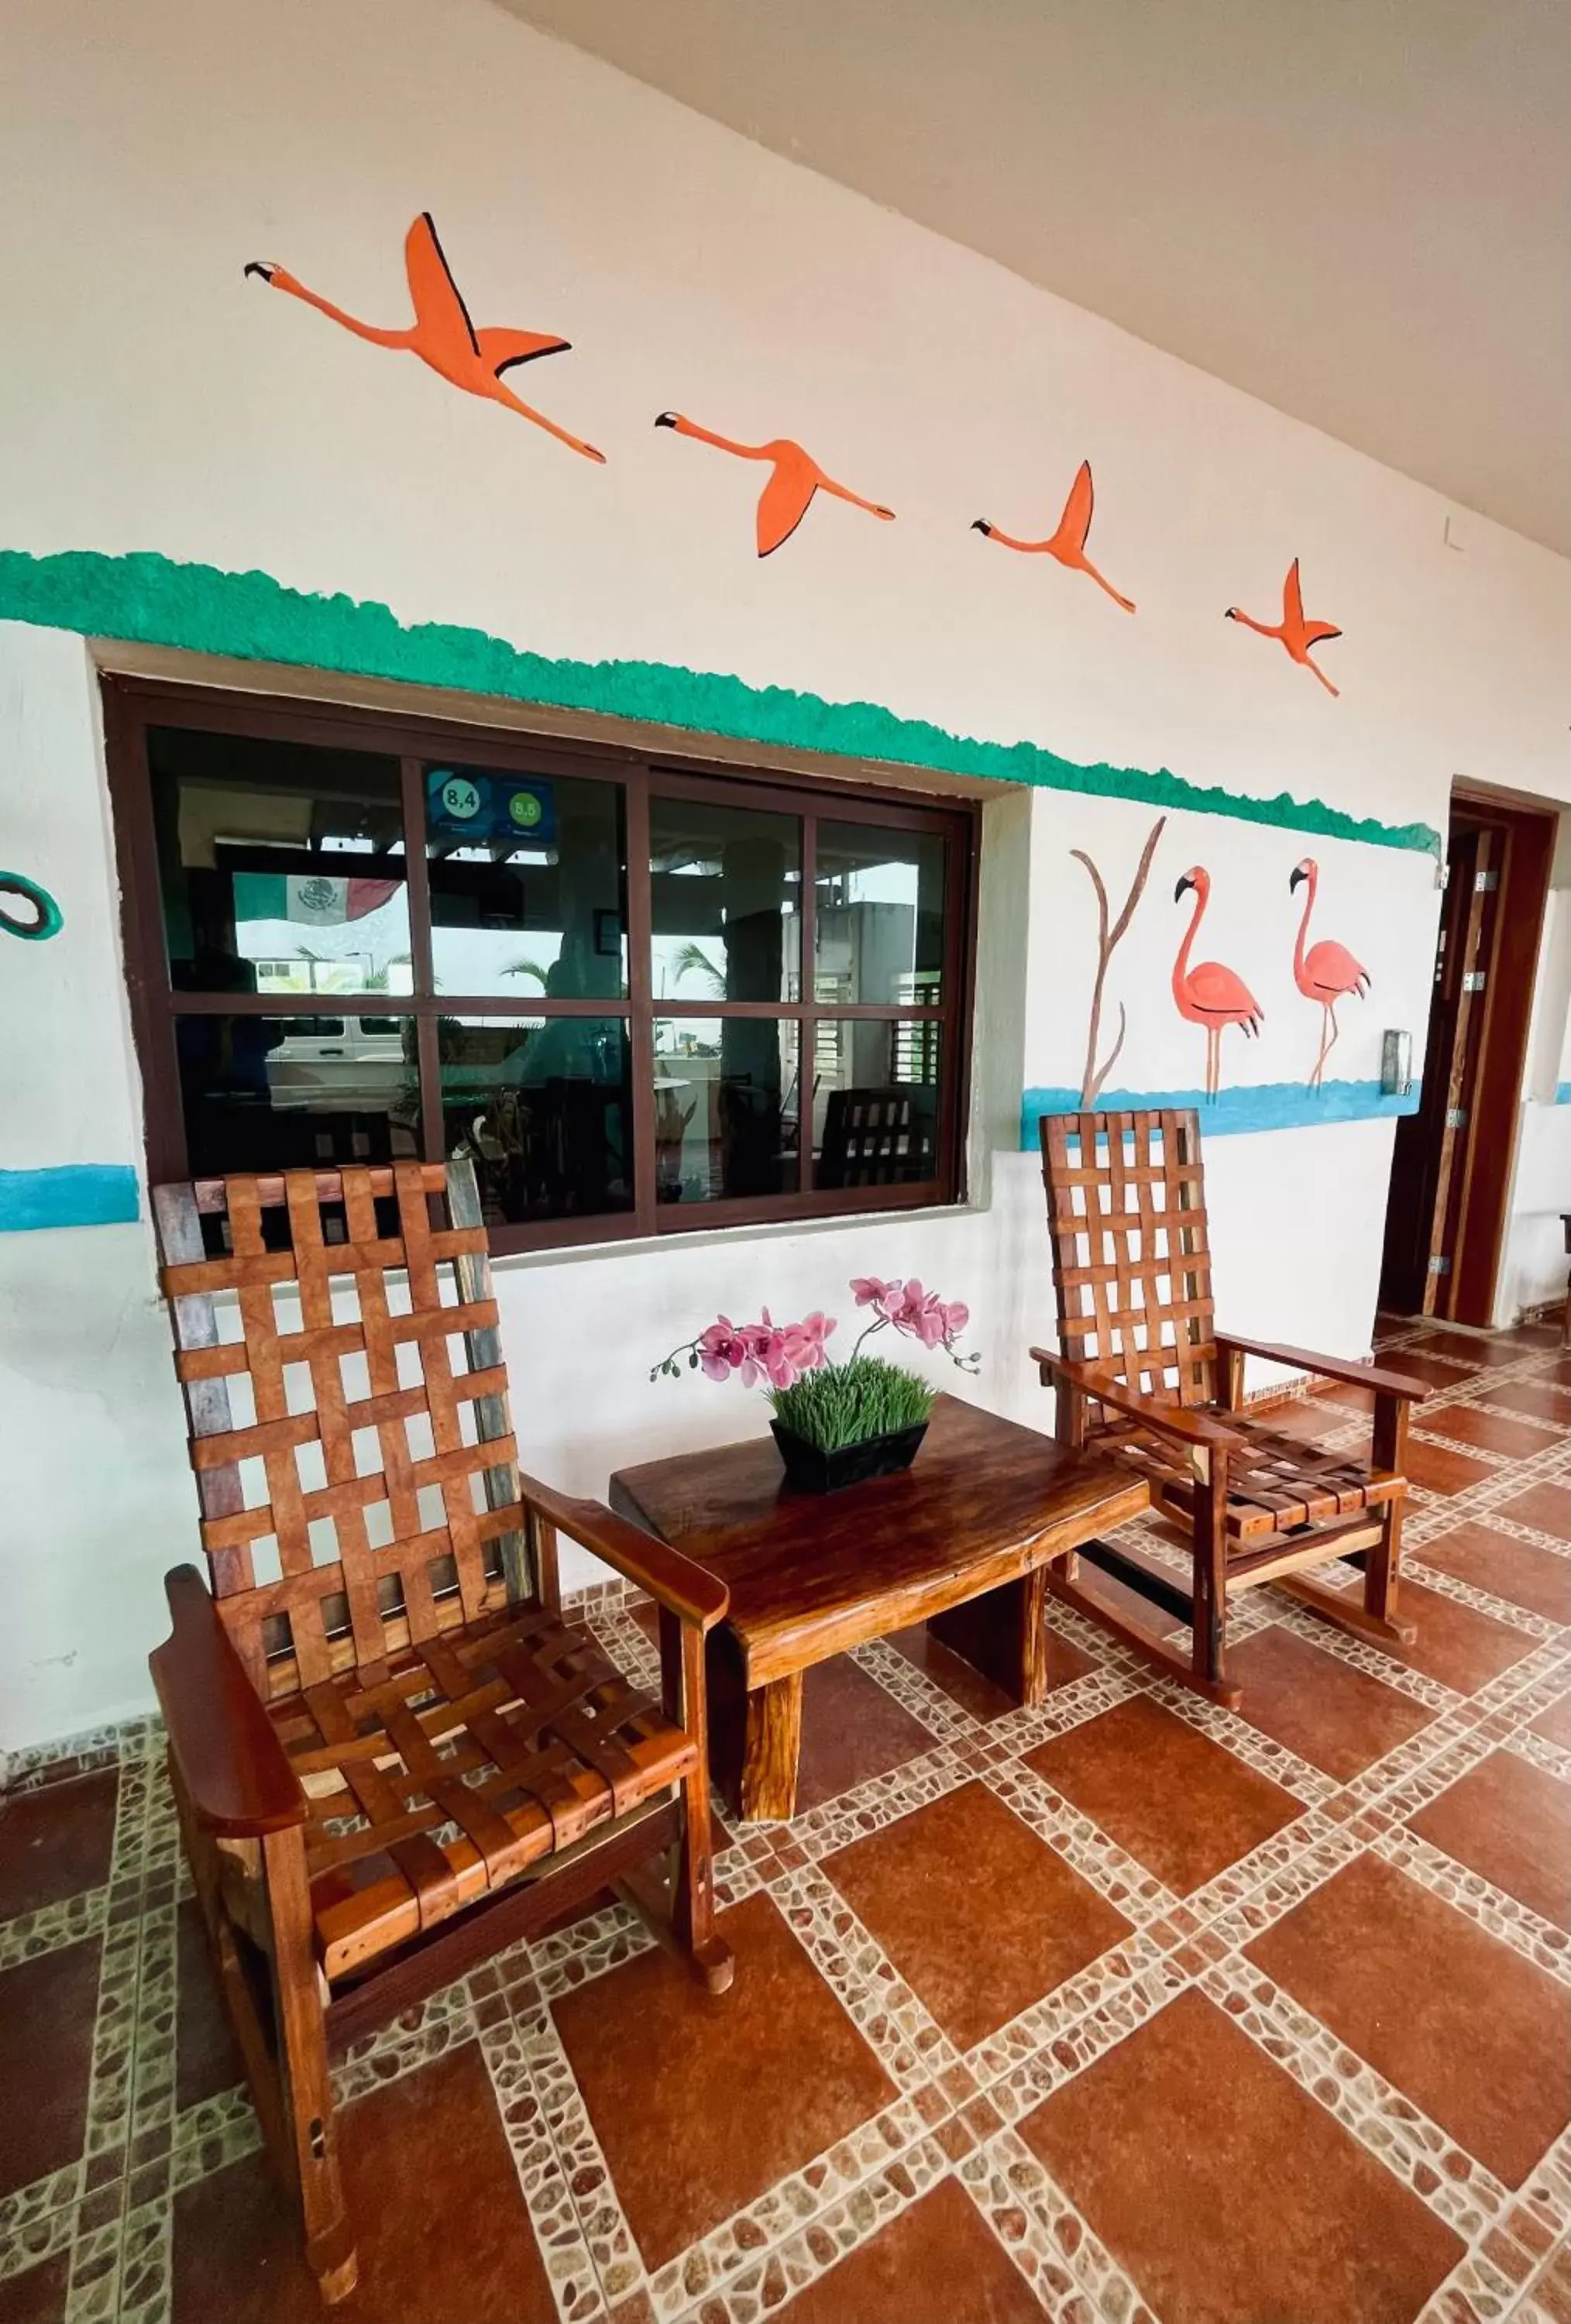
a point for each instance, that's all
(250, 616)
(45, 917)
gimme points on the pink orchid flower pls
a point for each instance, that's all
(720, 1348)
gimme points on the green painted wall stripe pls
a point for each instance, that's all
(252, 617)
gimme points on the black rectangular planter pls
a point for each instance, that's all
(810, 1470)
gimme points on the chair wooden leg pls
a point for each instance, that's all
(1382, 1567)
(683, 1669)
(1210, 1648)
(1383, 1572)
(308, 2091)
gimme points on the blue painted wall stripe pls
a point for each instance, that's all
(74, 1194)
(1263, 1105)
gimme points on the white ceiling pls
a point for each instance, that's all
(1359, 210)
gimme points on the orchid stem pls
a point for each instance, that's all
(876, 1325)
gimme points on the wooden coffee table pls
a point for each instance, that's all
(961, 1540)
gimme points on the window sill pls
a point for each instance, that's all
(709, 1238)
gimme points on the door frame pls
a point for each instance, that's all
(1527, 830)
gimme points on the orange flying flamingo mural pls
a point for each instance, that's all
(1209, 994)
(1327, 973)
(1069, 543)
(441, 334)
(786, 497)
(1292, 631)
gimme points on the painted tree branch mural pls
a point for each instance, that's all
(1107, 942)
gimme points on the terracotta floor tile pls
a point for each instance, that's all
(1437, 1469)
(852, 1729)
(38, 2295)
(1311, 1418)
(207, 2056)
(1227, 2193)
(1467, 2029)
(1181, 1806)
(47, 2009)
(1465, 1423)
(964, 1684)
(1339, 1719)
(56, 1841)
(1555, 1724)
(937, 2259)
(1455, 1644)
(736, 2090)
(1546, 1508)
(1518, 1570)
(441, 2224)
(1511, 1822)
(1540, 1399)
(919, 1885)
(1342, 1392)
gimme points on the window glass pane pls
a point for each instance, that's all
(875, 1102)
(544, 1108)
(287, 1092)
(725, 1100)
(879, 930)
(726, 900)
(528, 883)
(281, 865)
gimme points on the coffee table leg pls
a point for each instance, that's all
(771, 1750)
(1003, 1635)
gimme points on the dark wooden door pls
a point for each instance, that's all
(1432, 1166)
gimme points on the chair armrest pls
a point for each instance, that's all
(232, 1766)
(1179, 1420)
(674, 1581)
(1337, 1368)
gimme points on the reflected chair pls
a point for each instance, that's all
(1141, 1370)
(879, 1138)
(392, 1753)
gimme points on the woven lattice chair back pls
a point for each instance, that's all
(347, 1403)
(1132, 1259)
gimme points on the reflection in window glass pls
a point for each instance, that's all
(292, 1093)
(528, 884)
(875, 1102)
(727, 1101)
(545, 1111)
(281, 865)
(879, 929)
(725, 898)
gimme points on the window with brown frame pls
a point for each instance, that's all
(643, 996)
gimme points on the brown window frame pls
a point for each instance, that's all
(133, 705)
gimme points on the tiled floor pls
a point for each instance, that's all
(1121, 2009)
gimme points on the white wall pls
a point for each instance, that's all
(152, 399)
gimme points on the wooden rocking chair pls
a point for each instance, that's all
(1141, 1370)
(390, 1752)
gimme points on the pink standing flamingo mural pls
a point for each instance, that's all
(1327, 973)
(1208, 994)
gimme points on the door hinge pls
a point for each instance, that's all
(1472, 982)
(1456, 1117)
(1439, 1267)
(1485, 883)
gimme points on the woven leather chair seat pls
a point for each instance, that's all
(1274, 1487)
(455, 1765)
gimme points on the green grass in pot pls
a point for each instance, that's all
(846, 1403)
